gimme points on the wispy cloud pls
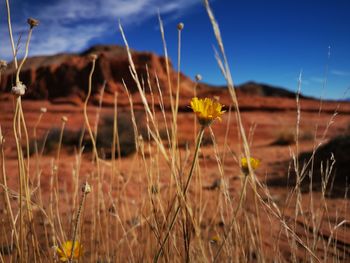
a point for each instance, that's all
(317, 79)
(340, 73)
(70, 25)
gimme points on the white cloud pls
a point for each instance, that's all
(340, 73)
(317, 79)
(70, 25)
(64, 39)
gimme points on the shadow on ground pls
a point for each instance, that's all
(331, 163)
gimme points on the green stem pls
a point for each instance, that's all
(172, 223)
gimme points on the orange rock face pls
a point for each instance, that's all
(66, 75)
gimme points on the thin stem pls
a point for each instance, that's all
(178, 82)
(199, 140)
(172, 223)
(86, 116)
(76, 226)
(25, 55)
(19, 151)
(6, 189)
(36, 144)
(242, 194)
(60, 142)
(14, 53)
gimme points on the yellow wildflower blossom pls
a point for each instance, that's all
(65, 251)
(215, 239)
(253, 162)
(207, 110)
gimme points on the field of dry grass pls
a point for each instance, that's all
(161, 178)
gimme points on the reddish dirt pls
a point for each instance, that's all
(266, 118)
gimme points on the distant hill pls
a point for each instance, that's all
(66, 75)
(265, 90)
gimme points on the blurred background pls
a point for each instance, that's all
(266, 41)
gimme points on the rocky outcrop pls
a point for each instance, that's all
(66, 75)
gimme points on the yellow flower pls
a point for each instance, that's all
(215, 239)
(206, 110)
(64, 253)
(253, 162)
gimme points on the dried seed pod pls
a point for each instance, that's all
(93, 56)
(198, 77)
(32, 22)
(19, 90)
(180, 26)
(86, 188)
(64, 118)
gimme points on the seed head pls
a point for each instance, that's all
(180, 26)
(86, 188)
(43, 110)
(198, 77)
(32, 22)
(93, 56)
(19, 90)
(64, 118)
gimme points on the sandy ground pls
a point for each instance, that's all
(265, 120)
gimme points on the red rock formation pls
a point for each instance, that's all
(64, 78)
(66, 75)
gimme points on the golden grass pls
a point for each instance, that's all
(152, 207)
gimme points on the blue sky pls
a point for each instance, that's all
(266, 41)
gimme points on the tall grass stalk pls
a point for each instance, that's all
(227, 74)
(183, 196)
(155, 205)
